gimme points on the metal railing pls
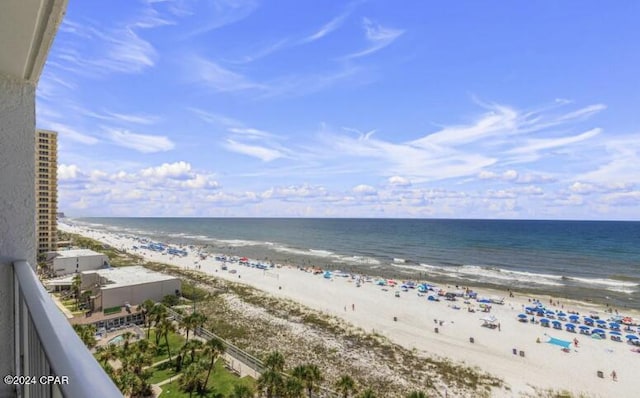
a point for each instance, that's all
(242, 356)
(49, 355)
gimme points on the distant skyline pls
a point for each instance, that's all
(248, 108)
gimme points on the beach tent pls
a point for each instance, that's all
(327, 275)
(557, 325)
(570, 327)
(599, 332)
(544, 322)
(615, 336)
(489, 321)
(584, 329)
(588, 321)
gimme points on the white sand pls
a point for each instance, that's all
(544, 365)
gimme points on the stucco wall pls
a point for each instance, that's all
(69, 265)
(17, 200)
(137, 294)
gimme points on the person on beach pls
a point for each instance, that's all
(614, 375)
(575, 342)
(353, 307)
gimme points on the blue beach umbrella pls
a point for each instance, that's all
(561, 314)
(614, 325)
(587, 319)
(583, 327)
(599, 331)
(556, 322)
(522, 316)
(544, 320)
(601, 322)
(574, 316)
(615, 333)
(631, 337)
(570, 326)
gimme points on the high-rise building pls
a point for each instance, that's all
(46, 190)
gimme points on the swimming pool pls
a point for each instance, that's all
(116, 340)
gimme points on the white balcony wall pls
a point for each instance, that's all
(17, 201)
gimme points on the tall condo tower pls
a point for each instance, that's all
(46, 190)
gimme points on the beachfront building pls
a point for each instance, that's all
(35, 337)
(126, 287)
(46, 161)
(65, 262)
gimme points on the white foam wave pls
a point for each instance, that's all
(486, 274)
(604, 282)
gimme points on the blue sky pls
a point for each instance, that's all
(471, 109)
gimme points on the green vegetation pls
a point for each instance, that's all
(112, 310)
(222, 383)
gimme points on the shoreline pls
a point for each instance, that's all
(374, 309)
(600, 288)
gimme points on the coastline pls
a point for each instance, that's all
(543, 365)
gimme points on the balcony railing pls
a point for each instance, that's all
(47, 345)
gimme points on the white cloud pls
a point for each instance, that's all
(179, 170)
(262, 153)
(623, 199)
(329, 27)
(364, 189)
(140, 142)
(399, 181)
(582, 188)
(67, 172)
(378, 36)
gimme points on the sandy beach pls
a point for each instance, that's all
(410, 321)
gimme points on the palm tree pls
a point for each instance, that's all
(309, 374)
(271, 383)
(346, 385)
(165, 328)
(87, 334)
(294, 388)
(76, 282)
(192, 347)
(159, 314)
(416, 394)
(191, 378)
(185, 323)
(241, 391)
(147, 309)
(368, 393)
(274, 361)
(107, 353)
(214, 348)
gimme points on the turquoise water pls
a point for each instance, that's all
(116, 340)
(592, 260)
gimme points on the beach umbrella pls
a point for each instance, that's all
(574, 316)
(587, 319)
(557, 323)
(583, 327)
(544, 320)
(599, 331)
(615, 333)
(631, 337)
(561, 314)
(570, 326)
(601, 322)
(522, 316)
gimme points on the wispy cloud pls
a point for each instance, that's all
(378, 37)
(140, 142)
(263, 153)
(215, 14)
(219, 78)
(329, 27)
(72, 134)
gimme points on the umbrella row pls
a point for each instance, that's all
(584, 329)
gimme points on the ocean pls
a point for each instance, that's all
(596, 261)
